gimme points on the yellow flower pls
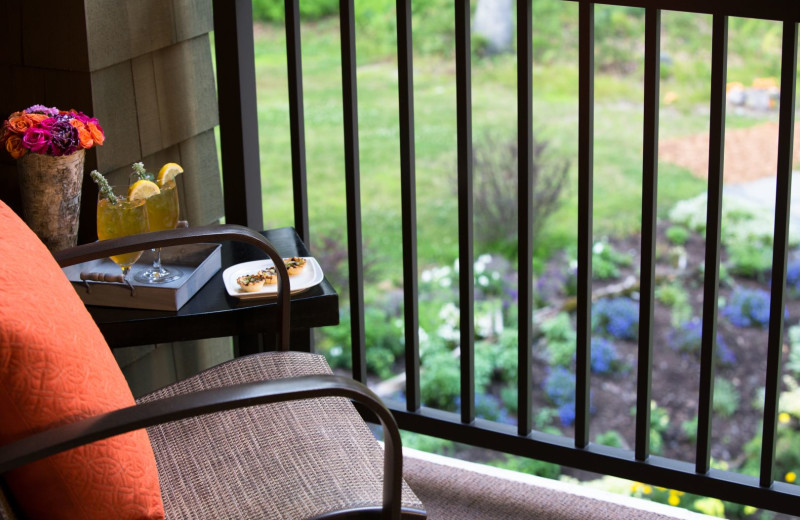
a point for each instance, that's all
(647, 490)
(784, 418)
(791, 477)
(674, 500)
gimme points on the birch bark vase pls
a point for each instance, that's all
(51, 196)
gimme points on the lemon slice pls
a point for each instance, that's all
(168, 173)
(143, 189)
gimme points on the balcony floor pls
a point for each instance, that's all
(460, 490)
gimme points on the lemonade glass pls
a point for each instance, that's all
(121, 219)
(162, 213)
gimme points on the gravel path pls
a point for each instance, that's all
(750, 153)
(751, 163)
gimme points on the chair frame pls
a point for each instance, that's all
(50, 442)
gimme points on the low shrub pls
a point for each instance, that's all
(659, 423)
(529, 466)
(678, 235)
(559, 337)
(676, 297)
(606, 261)
(496, 193)
(750, 259)
(726, 398)
(610, 438)
(273, 10)
(440, 378)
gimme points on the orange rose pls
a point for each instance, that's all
(97, 133)
(36, 118)
(14, 146)
(18, 123)
(84, 136)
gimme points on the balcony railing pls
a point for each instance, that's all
(237, 101)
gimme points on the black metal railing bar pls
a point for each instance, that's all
(716, 153)
(525, 216)
(408, 185)
(294, 69)
(353, 187)
(466, 280)
(783, 193)
(585, 217)
(644, 363)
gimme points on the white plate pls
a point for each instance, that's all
(308, 277)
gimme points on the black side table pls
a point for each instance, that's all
(212, 313)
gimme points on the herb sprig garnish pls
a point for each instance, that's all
(141, 173)
(105, 188)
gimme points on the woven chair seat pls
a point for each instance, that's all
(293, 460)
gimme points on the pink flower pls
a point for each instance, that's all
(37, 140)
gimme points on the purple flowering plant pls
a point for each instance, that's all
(749, 308)
(616, 317)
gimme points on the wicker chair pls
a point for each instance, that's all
(273, 435)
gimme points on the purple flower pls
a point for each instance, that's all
(618, 317)
(64, 136)
(603, 355)
(37, 140)
(41, 109)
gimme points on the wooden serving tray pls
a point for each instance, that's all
(197, 262)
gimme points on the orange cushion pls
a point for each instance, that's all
(56, 368)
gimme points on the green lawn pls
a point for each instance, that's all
(618, 146)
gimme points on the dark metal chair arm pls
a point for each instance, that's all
(50, 442)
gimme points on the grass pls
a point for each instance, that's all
(617, 119)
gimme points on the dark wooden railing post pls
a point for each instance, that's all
(238, 115)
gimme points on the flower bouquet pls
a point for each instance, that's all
(49, 145)
(49, 131)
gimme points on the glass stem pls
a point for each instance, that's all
(157, 261)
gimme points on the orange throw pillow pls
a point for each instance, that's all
(56, 368)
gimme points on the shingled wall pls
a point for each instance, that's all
(142, 67)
